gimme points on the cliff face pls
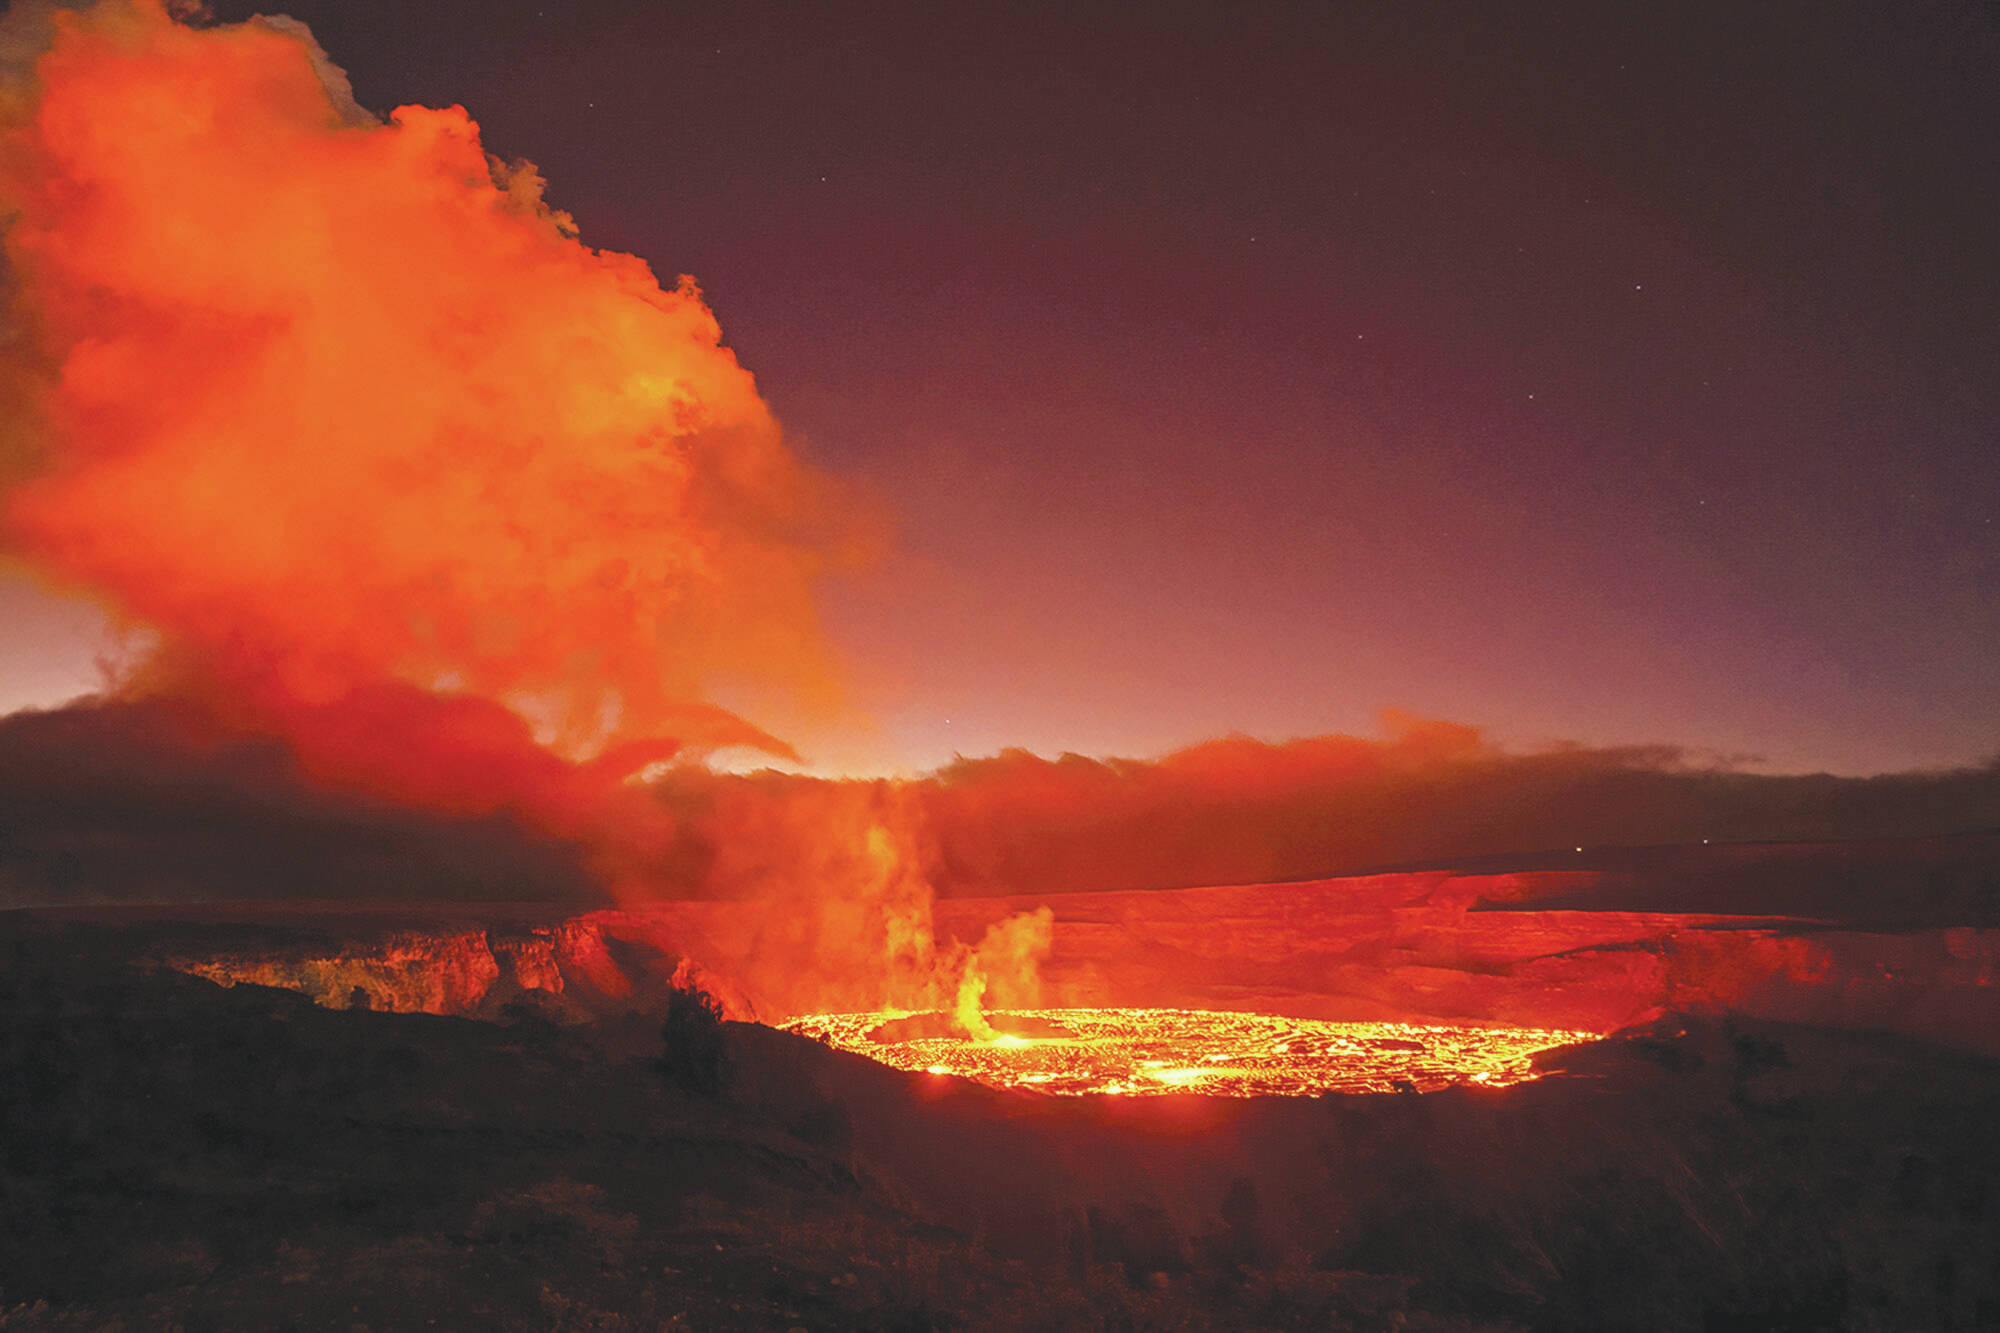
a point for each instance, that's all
(408, 972)
(1387, 947)
(1415, 946)
(589, 966)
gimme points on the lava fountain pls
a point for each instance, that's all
(1158, 1051)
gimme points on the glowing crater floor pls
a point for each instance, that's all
(1154, 1051)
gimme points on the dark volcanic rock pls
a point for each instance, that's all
(179, 1153)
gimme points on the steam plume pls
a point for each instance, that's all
(396, 465)
(470, 514)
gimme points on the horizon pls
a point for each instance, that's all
(1599, 390)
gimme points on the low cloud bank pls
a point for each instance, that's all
(142, 802)
(146, 801)
(1237, 810)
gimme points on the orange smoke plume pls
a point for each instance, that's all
(472, 515)
(829, 901)
(395, 465)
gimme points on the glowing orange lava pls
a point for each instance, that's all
(1154, 1051)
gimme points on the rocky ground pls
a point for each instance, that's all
(177, 1154)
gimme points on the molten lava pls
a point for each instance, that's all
(1154, 1051)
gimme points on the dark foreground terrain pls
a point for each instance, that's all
(177, 1154)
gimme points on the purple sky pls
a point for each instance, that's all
(1584, 371)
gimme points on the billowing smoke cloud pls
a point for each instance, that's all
(831, 904)
(396, 465)
(471, 516)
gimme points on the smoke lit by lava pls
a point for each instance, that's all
(473, 516)
(467, 518)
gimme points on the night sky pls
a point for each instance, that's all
(1593, 372)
